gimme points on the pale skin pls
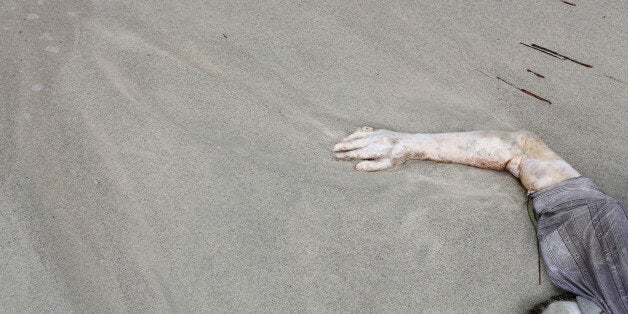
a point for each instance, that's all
(522, 153)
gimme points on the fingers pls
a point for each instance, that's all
(360, 132)
(358, 146)
(356, 154)
(374, 165)
(355, 144)
(355, 135)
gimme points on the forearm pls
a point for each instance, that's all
(483, 149)
(522, 153)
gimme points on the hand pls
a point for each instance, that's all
(381, 149)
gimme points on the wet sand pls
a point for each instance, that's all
(177, 157)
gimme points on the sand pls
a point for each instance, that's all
(177, 156)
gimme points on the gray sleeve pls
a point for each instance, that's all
(583, 238)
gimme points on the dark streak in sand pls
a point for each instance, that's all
(501, 79)
(614, 79)
(538, 75)
(567, 2)
(536, 96)
(483, 73)
(525, 91)
(555, 54)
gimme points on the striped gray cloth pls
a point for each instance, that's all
(583, 238)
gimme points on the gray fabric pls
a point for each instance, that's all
(587, 306)
(583, 237)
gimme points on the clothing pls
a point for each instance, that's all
(583, 239)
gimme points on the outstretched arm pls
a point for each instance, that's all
(522, 153)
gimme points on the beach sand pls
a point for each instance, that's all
(177, 156)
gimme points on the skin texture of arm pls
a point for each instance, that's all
(522, 153)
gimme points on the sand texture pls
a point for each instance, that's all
(175, 156)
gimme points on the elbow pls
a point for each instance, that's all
(524, 137)
(523, 143)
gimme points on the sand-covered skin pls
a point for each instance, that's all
(177, 157)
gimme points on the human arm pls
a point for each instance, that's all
(522, 153)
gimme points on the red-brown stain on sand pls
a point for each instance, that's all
(537, 75)
(525, 91)
(615, 79)
(535, 96)
(556, 54)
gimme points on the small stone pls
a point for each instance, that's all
(53, 49)
(38, 87)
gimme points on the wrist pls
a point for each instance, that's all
(414, 145)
